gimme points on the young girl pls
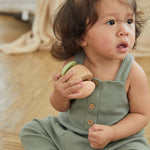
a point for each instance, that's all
(99, 34)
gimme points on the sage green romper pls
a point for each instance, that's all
(107, 105)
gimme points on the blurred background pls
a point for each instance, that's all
(19, 9)
(25, 78)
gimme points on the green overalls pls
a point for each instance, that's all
(107, 105)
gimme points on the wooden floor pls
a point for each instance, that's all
(25, 85)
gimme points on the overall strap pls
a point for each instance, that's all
(125, 68)
(79, 57)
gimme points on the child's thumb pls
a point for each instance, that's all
(56, 76)
(96, 127)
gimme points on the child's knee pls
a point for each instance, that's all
(35, 136)
(25, 129)
(28, 130)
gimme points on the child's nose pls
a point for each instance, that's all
(123, 30)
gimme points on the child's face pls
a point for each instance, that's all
(113, 35)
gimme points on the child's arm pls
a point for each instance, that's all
(137, 119)
(64, 91)
(139, 100)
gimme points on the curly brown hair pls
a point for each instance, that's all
(70, 25)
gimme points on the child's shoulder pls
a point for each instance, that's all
(137, 71)
(137, 77)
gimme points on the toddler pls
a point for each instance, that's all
(99, 34)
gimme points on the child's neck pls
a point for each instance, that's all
(103, 70)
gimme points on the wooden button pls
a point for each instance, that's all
(91, 106)
(96, 82)
(90, 122)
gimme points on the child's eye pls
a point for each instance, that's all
(130, 21)
(111, 22)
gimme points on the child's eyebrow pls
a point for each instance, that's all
(115, 14)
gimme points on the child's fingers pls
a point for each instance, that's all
(71, 84)
(92, 135)
(75, 88)
(96, 127)
(75, 95)
(66, 77)
(92, 141)
(72, 88)
(56, 76)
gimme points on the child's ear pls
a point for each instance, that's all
(83, 43)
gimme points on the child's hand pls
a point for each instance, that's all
(100, 136)
(64, 89)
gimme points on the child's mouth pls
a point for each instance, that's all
(122, 47)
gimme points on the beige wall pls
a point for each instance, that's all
(143, 46)
(17, 5)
